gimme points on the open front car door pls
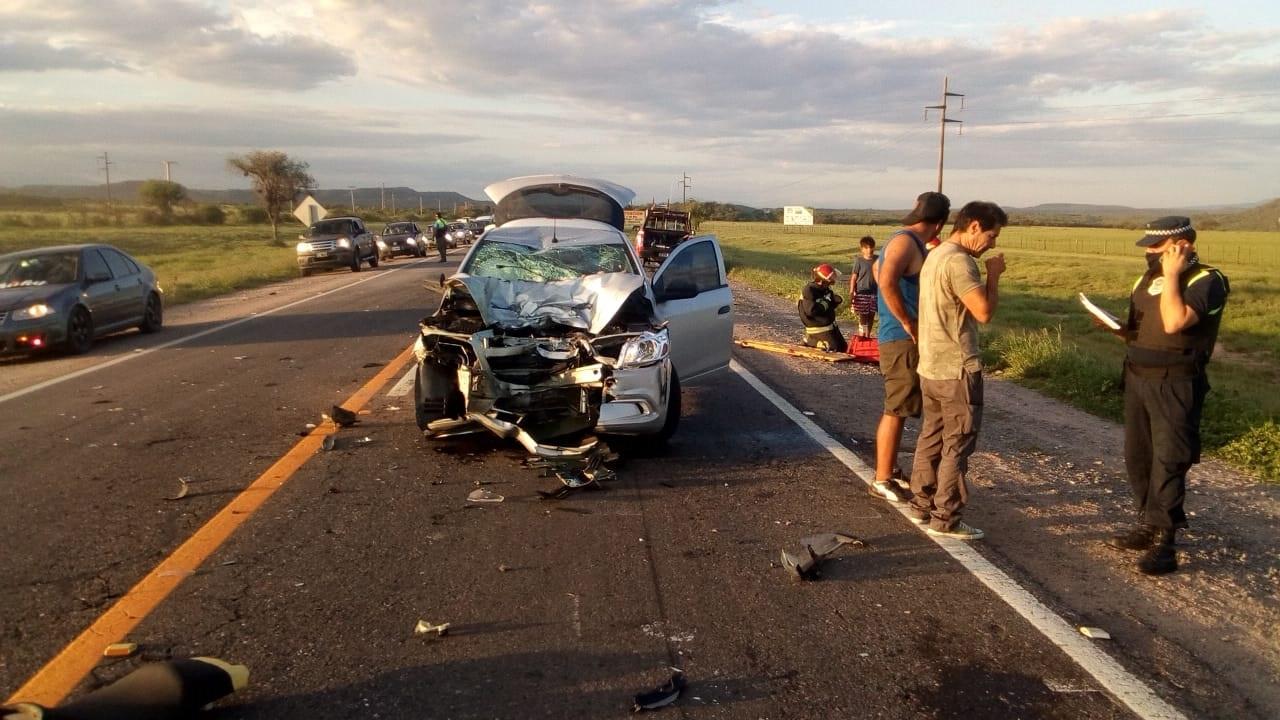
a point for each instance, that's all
(692, 294)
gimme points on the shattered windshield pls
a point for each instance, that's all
(43, 269)
(512, 261)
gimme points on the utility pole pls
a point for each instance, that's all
(419, 204)
(384, 196)
(393, 202)
(352, 190)
(106, 167)
(684, 188)
(943, 120)
(167, 163)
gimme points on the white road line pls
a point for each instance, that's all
(182, 340)
(402, 388)
(1110, 674)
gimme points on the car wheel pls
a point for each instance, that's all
(424, 411)
(153, 316)
(373, 259)
(306, 272)
(355, 259)
(79, 332)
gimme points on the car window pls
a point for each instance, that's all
(332, 227)
(696, 265)
(94, 265)
(511, 261)
(132, 265)
(38, 269)
(119, 267)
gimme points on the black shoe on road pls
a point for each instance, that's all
(1159, 559)
(1139, 538)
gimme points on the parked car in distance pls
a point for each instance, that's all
(69, 295)
(664, 228)
(336, 242)
(404, 238)
(478, 225)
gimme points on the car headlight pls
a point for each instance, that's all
(344, 243)
(304, 247)
(411, 241)
(33, 312)
(644, 349)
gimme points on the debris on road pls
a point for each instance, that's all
(341, 416)
(484, 496)
(807, 566)
(241, 357)
(329, 442)
(425, 628)
(392, 408)
(172, 690)
(120, 650)
(364, 440)
(661, 696)
(373, 364)
(1095, 633)
(796, 350)
(310, 426)
(183, 489)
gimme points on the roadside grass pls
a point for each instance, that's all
(192, 262)
(1043, 339)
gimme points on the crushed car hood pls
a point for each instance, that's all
(587, 303)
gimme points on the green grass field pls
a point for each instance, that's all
(192, 262)
(1042, 338)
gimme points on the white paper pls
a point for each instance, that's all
(1107, 318)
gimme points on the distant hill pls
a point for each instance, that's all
(334, 199)
(1263, 217)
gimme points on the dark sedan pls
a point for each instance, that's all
(64, 297)
(404, 238)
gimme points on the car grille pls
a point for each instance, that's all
(323, 244)
(4, 315)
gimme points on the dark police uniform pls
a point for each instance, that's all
(1165, 384)
(818, 313)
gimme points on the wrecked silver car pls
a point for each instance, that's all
(550, 330)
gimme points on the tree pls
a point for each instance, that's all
(162, 195)
(276, 179)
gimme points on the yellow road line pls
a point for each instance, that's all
(60, 675)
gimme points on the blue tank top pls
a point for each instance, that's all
(909, 285)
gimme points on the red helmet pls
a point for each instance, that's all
(826, 273)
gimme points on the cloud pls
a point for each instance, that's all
(179, 37)
(37, 56)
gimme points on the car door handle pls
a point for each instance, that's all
(723, 311)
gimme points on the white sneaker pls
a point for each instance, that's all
(961, 531)
(887, 490)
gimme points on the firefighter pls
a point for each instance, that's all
(1175, 309)
(818, 311)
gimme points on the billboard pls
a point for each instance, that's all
(797, 215)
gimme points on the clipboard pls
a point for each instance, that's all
(1105, 317)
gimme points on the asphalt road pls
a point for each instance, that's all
(557, 608)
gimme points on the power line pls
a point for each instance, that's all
(1129, 118)
(942, 123)
(106, 167)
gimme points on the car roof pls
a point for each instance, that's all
(60, 249)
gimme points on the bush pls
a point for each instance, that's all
(1258, 449)
(154, 217)
(209, 215)
(252, 215)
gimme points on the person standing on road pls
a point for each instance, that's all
(862, 285)
(1175, 310)
(953, 300)
(818, 311)
(439, 230)
(897, 278)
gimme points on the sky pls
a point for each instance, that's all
(761, 102)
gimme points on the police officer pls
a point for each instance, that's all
(440, 231)
(1175, 309)
(818, 311)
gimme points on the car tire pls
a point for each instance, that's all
(374, 259)
(153, 315)
(305, 272)
(79, 332)
(355, 259)
(424, 411)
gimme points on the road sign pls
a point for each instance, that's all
(797, 215)
(309, 211)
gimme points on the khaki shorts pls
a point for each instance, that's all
(898, 362)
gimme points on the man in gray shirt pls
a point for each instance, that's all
(953, 300)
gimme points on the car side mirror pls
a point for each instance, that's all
(96, 278)
(676, 291)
